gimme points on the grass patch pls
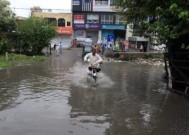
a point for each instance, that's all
(5, 64)
(39, 58)
(18, 58)
(148, 56)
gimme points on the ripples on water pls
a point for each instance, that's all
(130, 100)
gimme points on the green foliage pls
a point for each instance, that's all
(18, 58)
(148, 56)
(116, 48)
(39, 58)
(170, 18)
(169, 21)
(35, 34)
(3, 46)
(7, 21)
(7, 25)
(24, 58)
(185, 47)
(5, 64)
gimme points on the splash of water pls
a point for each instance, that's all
(78, 77)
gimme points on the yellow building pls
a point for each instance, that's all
(63, 22)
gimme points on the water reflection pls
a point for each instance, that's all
(131, 105)
(54, 97)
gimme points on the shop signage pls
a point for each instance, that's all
(79, 19)
(78, 26)
(87, 26)
(113, 27)
(64, 30)
(110, 37)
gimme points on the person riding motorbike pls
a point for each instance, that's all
(94, 60)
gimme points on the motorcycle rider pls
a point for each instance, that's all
(94, 60)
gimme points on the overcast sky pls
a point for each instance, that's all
(44, 4)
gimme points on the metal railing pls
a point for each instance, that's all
(180, 66)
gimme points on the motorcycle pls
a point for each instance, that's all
(93, 75)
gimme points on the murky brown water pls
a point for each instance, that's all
(55, 98)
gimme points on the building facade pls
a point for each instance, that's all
(97, 19)
(63, 24)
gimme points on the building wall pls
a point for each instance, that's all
(97, 28)
(100, 30)
(66, 16)
(64, 33)
(92, 5)
(129, 32)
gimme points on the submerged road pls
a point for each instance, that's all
(55, 98)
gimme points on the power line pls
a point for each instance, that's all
(41, 9)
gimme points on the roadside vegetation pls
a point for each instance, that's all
(33, 34)
(24, 39)
(18, 58)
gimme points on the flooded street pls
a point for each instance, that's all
(55, 97)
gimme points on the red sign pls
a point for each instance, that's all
(79, 18)
(64, 30)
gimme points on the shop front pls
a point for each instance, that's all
(93, 34)
(116, 32)
(64, 37)
(136, 42)
(87, 31)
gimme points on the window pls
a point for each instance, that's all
(92, 18)
(52, 21)
(68, 23)
(101, 2)
(107, 19)
(61, 22)
(119, 20)
(76, 2)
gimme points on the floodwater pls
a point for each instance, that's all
(55, 97)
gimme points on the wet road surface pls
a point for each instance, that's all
(55, 97)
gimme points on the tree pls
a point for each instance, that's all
(169, 20)
(35, 34)
(7, 20)
(7, 25)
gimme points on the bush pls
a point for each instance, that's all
(3, 46)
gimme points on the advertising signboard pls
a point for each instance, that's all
(86, 26)
(113, 27)
(64, 30)
(79, 19)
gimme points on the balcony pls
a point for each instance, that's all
(101, 3)
(101, 6)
